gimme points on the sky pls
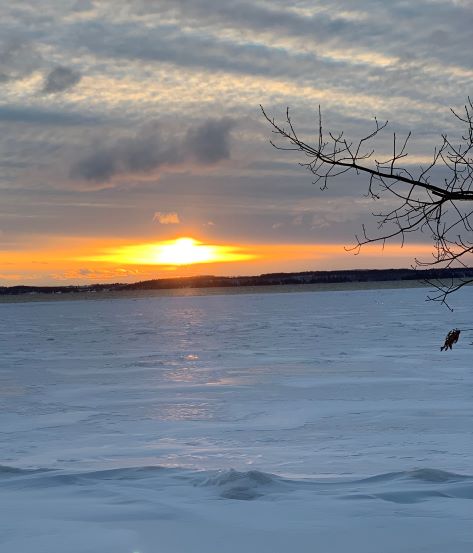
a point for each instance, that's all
(130, 124)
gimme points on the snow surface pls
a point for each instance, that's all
(325, 422)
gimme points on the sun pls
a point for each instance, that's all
(171, 253)
(184, 251)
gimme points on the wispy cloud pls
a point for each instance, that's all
(166, 218)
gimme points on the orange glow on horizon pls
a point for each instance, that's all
(181, 251)
(74, 260)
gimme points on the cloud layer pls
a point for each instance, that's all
(99, 98)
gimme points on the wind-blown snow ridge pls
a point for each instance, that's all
(228, 476)
(400, 487)
(232, 484)
(422, 474)
(6, 471)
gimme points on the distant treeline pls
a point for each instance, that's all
(307, 277)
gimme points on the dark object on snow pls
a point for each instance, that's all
(452, 338)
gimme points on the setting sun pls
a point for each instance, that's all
(185, 251)
(178, 252)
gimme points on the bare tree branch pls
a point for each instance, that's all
(434, 208)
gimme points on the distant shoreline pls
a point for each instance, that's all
(214, 291)
(354, 279)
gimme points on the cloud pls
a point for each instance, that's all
(148, 149)
(60, 79)
(185, 48)
(83, 6)
(166, 218)
(97, 166)
(209, 142)
(48, 117)
(342, 59)
(339, 23)
(153, 147)
(18, 59)
(99, 274)
(298, 219)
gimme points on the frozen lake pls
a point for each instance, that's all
(307, 421)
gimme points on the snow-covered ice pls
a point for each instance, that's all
(259, 422)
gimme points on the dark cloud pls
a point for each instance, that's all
(210, 142)
(141, 153)
(154, 147)
(99, 165)
(60, 79)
